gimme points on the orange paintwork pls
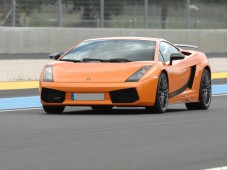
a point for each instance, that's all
(99, 77)
(64, 71)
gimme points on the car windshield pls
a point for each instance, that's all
(112, 51)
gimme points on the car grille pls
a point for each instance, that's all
(52, 96)
(129, 95)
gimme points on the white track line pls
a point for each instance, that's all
(13, 110)
(218, 168)
(217, 95)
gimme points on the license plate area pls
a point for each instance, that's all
(87, 96)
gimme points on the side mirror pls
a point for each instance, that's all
(176, 56)
(55, 56)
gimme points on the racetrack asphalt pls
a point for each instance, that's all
(121, 139)
(124, 138)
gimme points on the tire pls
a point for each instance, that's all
(161, 100)
(204, 93)
(102, 107)
(53, 109)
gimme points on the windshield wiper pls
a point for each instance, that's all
(94, 59)
(121, 60)
(71, 60)
(113, 60)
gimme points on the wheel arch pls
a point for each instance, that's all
(157, 108)
(165, 72)
(208, 69)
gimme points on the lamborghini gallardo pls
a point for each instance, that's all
(126, 72)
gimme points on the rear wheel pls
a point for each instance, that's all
(204, 94)
(161, 101)
(102, 107)
(53, 109)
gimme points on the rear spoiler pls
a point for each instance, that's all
(185, 45)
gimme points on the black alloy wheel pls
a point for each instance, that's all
(161, 102)
(205, 93)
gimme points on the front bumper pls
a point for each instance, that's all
(115, 94)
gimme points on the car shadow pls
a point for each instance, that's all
(115, 111)
(103, 112)
(176, 110)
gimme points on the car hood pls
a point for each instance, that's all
(66, 72)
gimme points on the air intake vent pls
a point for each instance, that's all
(52, 96)
(124, 96)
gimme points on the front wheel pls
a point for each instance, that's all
(53, 109)
(204, 94)
(161, 101)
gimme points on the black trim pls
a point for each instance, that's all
(192, 77)
(179, 91)
(189, 84)
(176, 56)
(129, 95)
(52, 95)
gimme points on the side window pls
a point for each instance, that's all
(175, 50)
(166, 50)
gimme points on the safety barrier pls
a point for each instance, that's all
(46, 40)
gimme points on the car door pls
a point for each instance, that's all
(178, 72)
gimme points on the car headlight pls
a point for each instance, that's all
(138, 74)
(48, 74)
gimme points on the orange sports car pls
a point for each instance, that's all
(126, 71)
